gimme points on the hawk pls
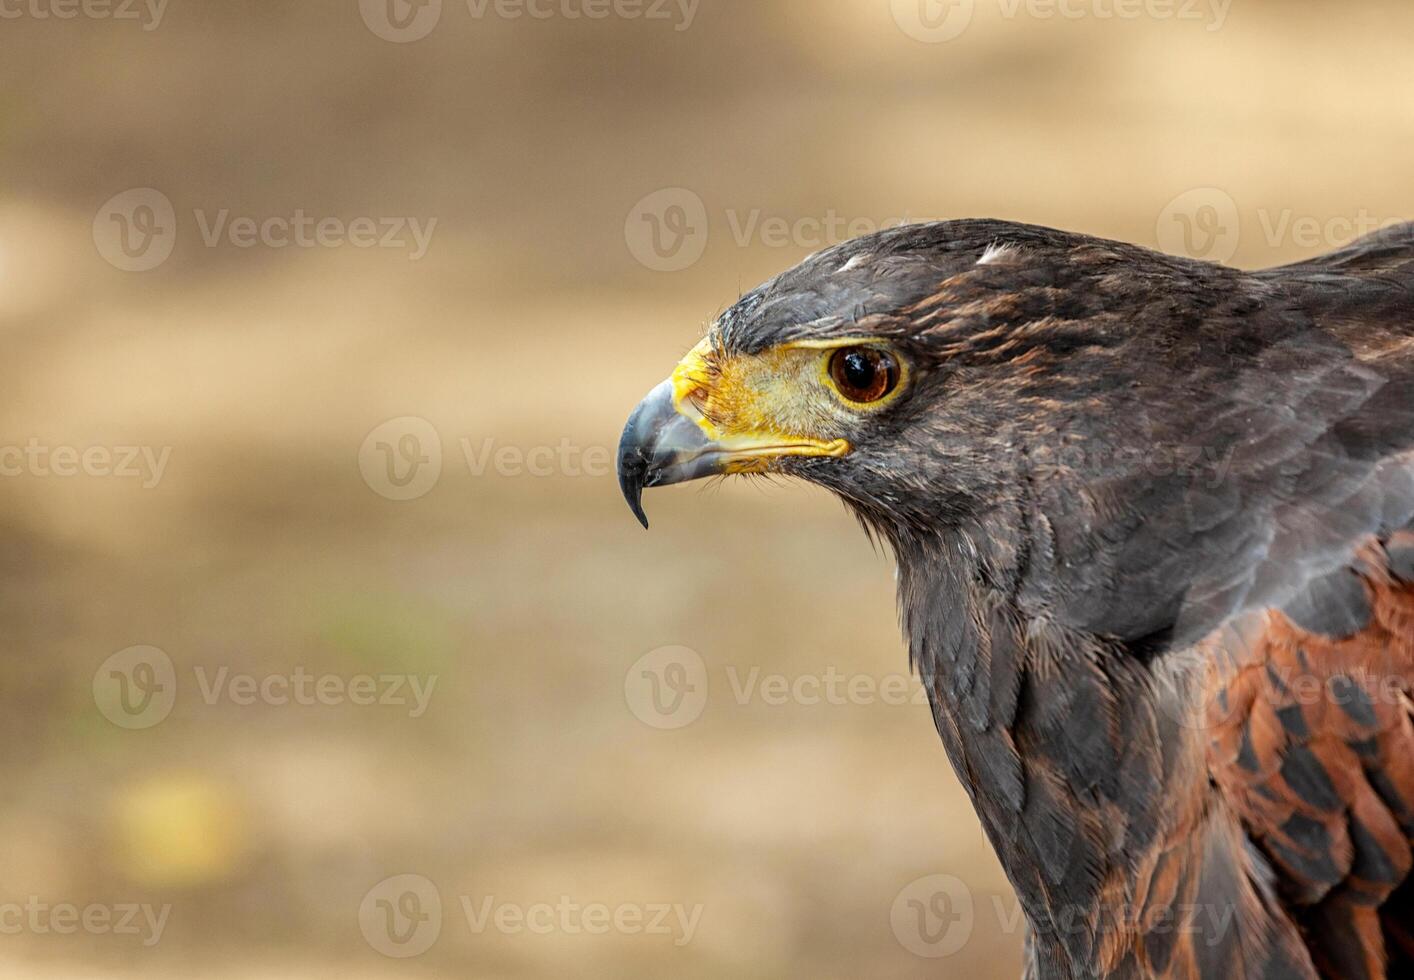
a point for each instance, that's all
(1152, 522)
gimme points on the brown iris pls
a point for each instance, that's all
(864, 374)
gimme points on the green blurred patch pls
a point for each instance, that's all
(386, 631)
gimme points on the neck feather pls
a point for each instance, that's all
(1063, 741)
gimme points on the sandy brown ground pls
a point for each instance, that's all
(793, 826)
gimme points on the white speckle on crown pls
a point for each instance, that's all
(995, 252)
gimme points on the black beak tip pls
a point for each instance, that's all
(632, 469)
(655, 440)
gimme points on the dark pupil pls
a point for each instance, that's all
(859, 370)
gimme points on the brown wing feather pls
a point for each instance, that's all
(1312, 745)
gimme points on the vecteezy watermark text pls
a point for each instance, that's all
(303, 688)
(936, 21)
(137, 230)
(402, 21)
(137, 687)
(669, 688)
(935, 917)
(402, 459)
(571, 918)
(145, 464)
(301, 230)
(402, 916)
(829, 687)
(148, 12)
(1199, 465)
(668, 230)
(1207, 223)
(41, 918)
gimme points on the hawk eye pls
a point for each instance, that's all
(864, 374)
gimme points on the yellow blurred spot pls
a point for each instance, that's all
(178, 830)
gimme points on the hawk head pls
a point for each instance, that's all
(925, 373)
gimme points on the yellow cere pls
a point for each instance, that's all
(780, 402)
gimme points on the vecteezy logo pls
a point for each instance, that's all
(933, 21)
(667, 687)
(402, 458)
(136, 687)
(136, 230)
(401, 21)
(401, 916)
(667, 230)
(1202, 224)
(933, 916)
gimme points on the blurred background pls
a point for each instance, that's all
(333, 650)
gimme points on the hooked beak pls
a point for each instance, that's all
(667, 441)
(662, 446)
